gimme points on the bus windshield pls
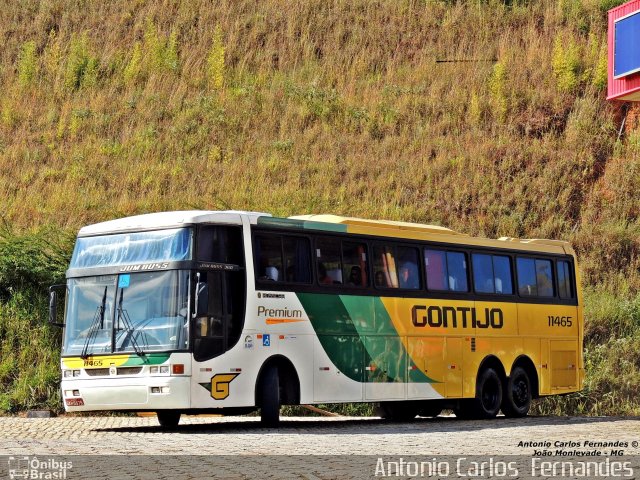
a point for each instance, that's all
(129, 312)
(170, 245)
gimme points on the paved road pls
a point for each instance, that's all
(267, 453)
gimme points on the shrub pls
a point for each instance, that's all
(215, 60)
(27, 64)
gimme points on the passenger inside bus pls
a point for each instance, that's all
(323, 278)
(355, 277)
(409, 276)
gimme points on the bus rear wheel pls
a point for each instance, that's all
(168, 418)
(488, 398)
(398, 411)
(270, 397)
(517, 395)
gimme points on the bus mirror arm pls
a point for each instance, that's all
(202, 299)
(53, 305)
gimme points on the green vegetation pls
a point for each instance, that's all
(116, 108)
(29, 348)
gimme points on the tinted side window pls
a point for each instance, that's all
(396, 267)
(269, 258)
(297, 259)
(457, 269)
(329, 261)
(446, 270)
(282, 258)
(384, 271)
(492, 274)
(354, 257)
(502, 274)
(527, 286)
(544, 278)
(564, 280)
(408, 276)
(534, 277)
(220, 244)
(483, 273)
(435, 263)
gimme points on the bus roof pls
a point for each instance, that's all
(332, 223)
(418, 231)
(154, 221)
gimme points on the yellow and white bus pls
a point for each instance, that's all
(205, 311)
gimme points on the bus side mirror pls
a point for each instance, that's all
(202, 299)
(53, 305)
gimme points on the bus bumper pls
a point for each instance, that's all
(146, 393)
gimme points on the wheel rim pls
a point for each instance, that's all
(520, 392)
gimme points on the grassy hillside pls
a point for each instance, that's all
(114, 108)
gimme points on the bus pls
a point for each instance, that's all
(229, 312)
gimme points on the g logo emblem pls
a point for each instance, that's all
(220, 385)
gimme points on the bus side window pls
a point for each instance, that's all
(436, 269)
(408, 276)
(527, 285)
(535, 278)
(544, 278)
(457, 268)
(269, 258)
(354, 268)
(446, 270)
(384, 265)
(282, 258)
(329, 261)
(297, 259)
(564, 280)
(492, 274)
(483, 273)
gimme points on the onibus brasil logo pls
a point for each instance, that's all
(35, 468)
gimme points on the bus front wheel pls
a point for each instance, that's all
(270, 397)
(517, 395)
(489, 395)
(168, 418)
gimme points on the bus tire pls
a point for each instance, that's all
(398, 411)
(516, 399)
(168, 418)
(270, 397)
(488, 395)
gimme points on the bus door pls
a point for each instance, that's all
(218, 318)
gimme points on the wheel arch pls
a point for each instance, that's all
(287, 377)
(524, 362)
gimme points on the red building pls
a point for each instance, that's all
(624, 52)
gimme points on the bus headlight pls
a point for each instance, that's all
(164, 369)
(67, 373)
(76, 373)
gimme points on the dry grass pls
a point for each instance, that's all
(115, 108)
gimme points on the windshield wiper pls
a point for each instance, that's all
(96, 324)
(124, 315)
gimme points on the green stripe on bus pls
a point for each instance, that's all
(147, 359)
(357, 332)
(381, 339)
(303, 224)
